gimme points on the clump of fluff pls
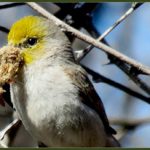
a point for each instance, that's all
(10, 62)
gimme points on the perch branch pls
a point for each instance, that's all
(140, 67)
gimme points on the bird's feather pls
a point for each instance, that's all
(87, 93)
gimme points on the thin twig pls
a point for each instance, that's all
(11, 5)
(4, 29)
(131, 122)
(9, 127)
(122, 18)
(132, 75)
(13, 132)
(140, 67)
(131, 72)
(100, 78)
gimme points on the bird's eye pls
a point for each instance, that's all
(32, 41)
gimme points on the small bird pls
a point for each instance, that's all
(52, 93)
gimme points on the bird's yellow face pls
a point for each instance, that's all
(29, 34)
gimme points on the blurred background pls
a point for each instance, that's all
(130, 116)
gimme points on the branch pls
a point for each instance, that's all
(130, 122)
(8, 128)
(124, 67)
(71, 13)
(99, 78)
(140, 67)
(122, 18)
(131, 72)
(12, 133)
(11, 5)
(3, 29)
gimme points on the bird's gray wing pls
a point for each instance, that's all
(87, 93)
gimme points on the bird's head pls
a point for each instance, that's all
(35, 36)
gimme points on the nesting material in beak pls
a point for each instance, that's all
(10, 63)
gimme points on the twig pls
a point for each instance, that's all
(140, 67)
(12, 133)
(132, 75)
(124, 67)
(130, 71)
(9, 127)
(122, 18)
(129, 122)
(127, 125)
(99, 78)
(11, 5)
(4, 29)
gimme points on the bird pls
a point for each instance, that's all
(52, 93)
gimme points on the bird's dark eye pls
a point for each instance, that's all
(32, 41)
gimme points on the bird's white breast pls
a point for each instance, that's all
(49, 106)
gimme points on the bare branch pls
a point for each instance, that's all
(127, 69)
(4, 29)
(99, 78)
(122, 18)
(12, 132)
(132, 75)
(131, 122)
(123, 66)
(9, 127)
(140, 67)
(11, 5)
